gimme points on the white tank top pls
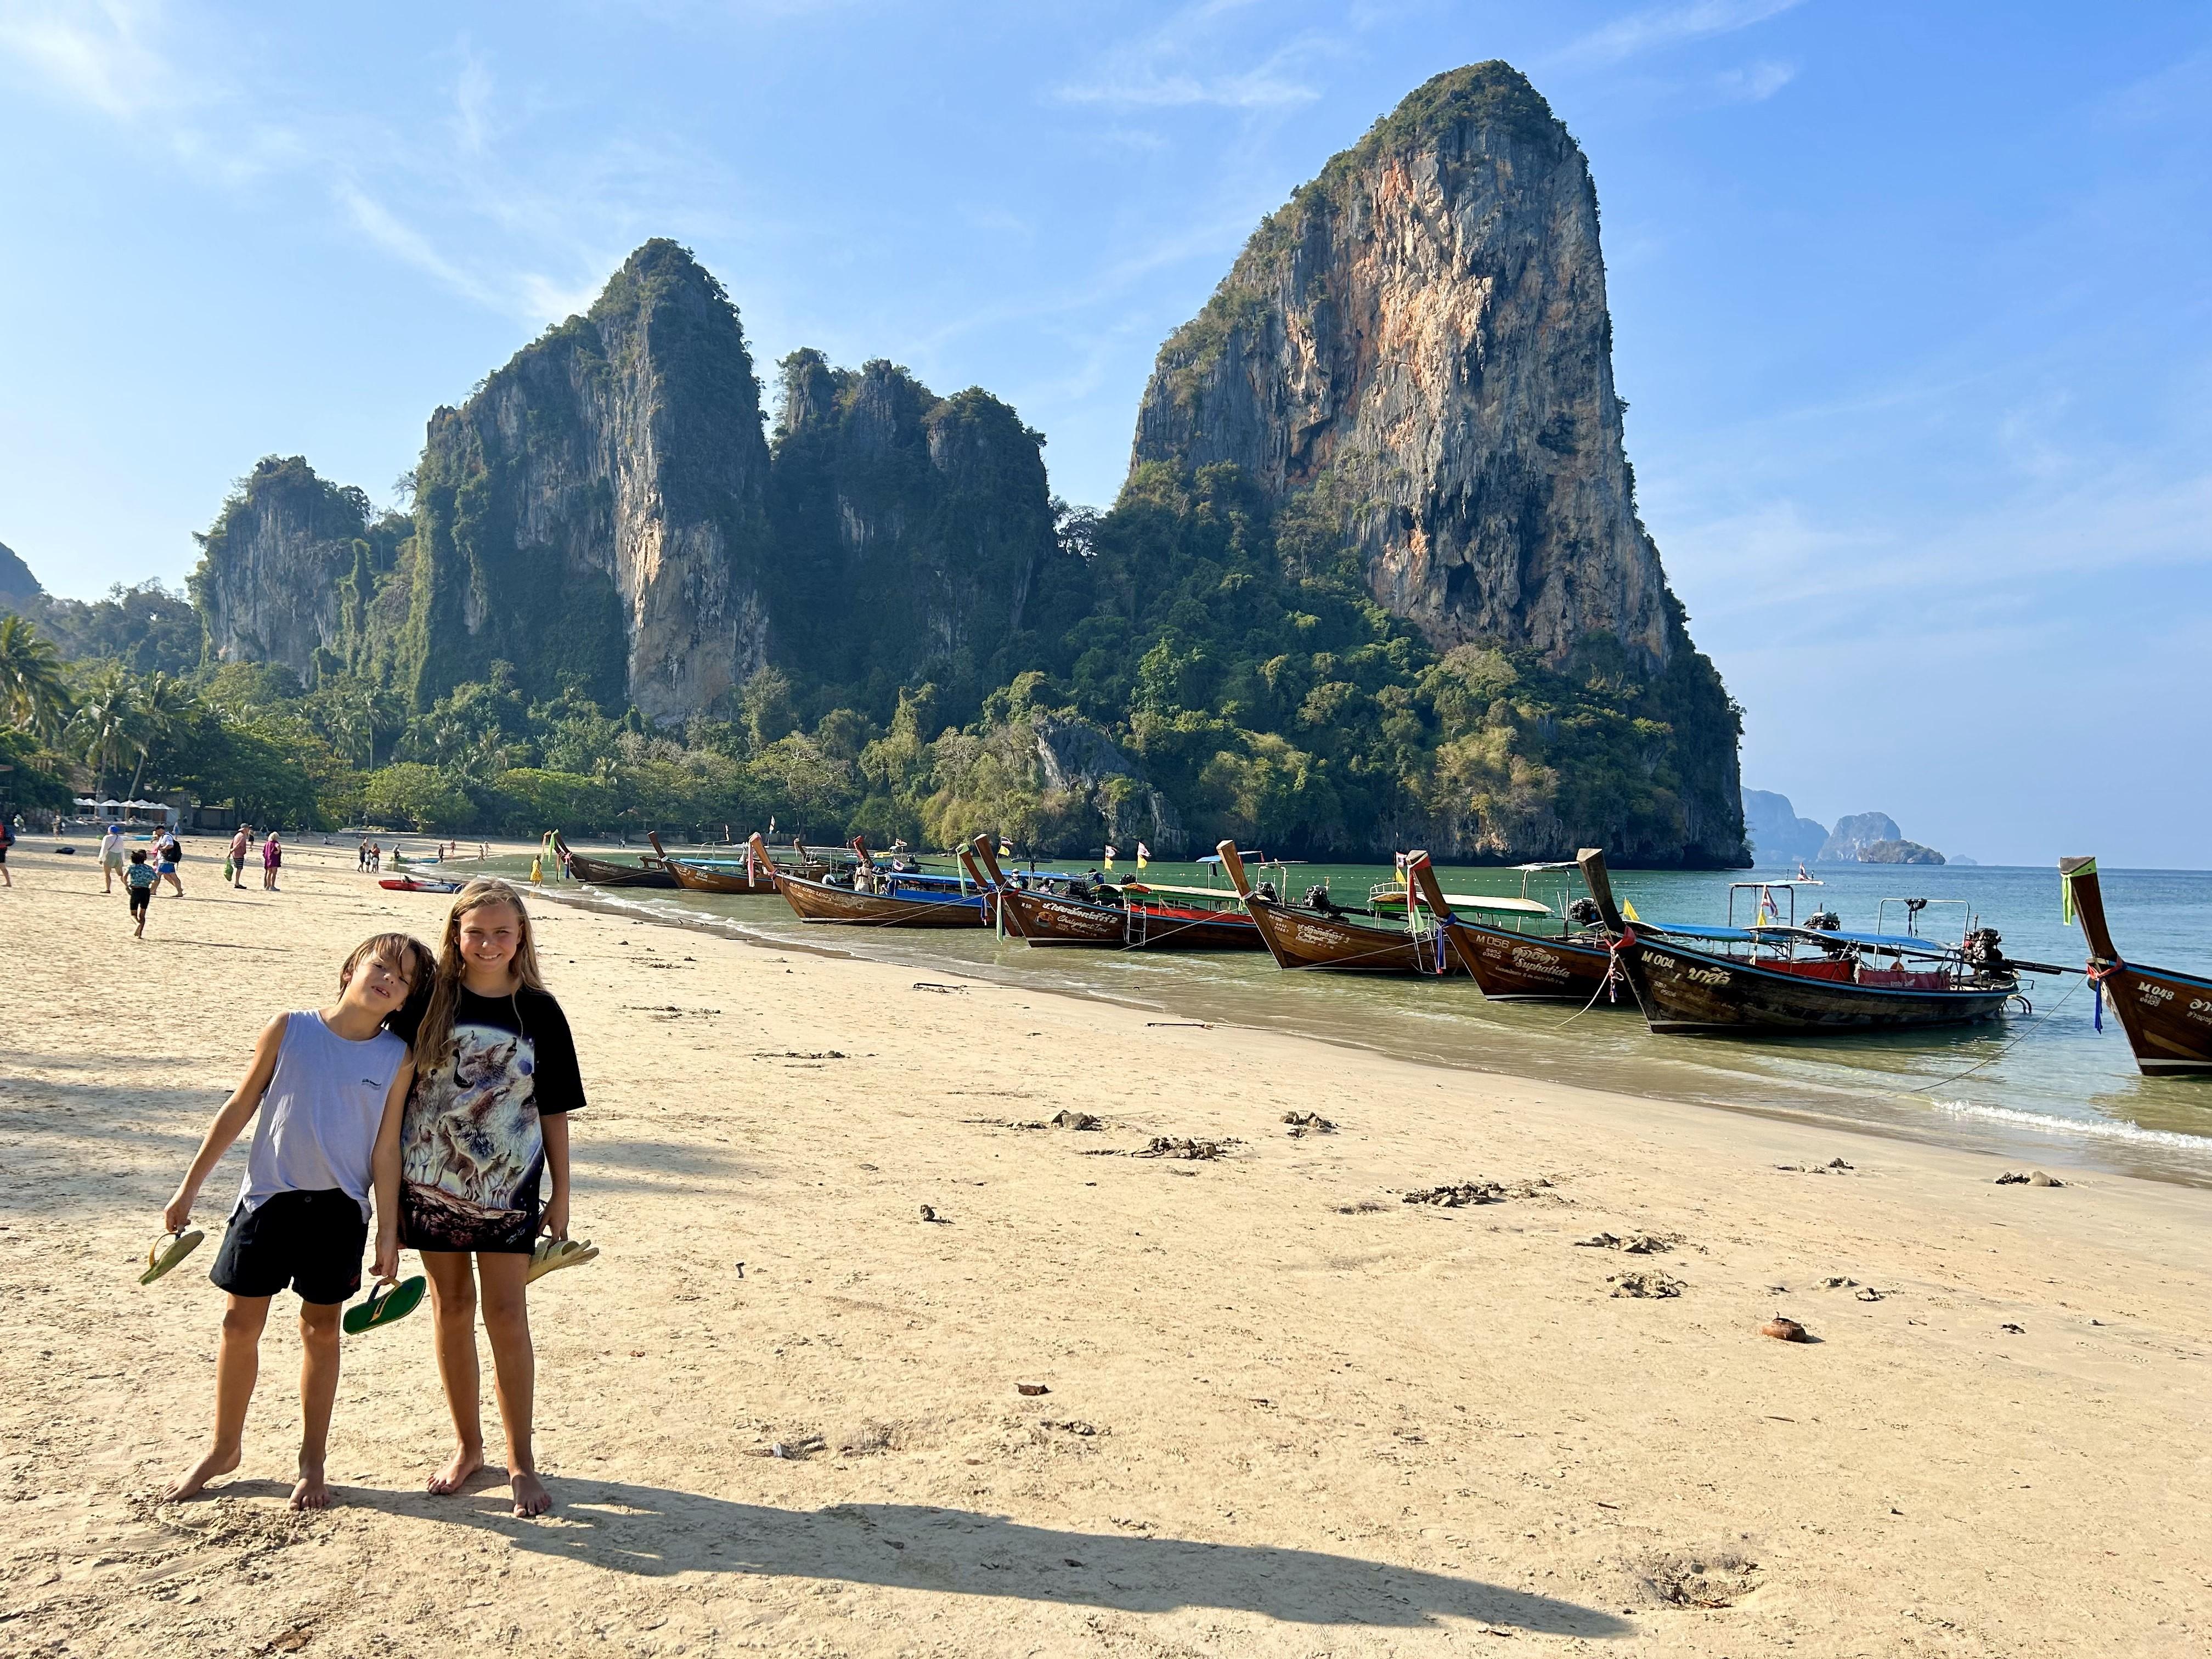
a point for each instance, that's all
(317, 1127)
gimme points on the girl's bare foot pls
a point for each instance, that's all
(312, 1493)
(455, 1476)
(188, 1484)
(530, 1497)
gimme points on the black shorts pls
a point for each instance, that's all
(140, 898)
(311, 1241)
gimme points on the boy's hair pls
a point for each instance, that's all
(410, 956)
(137, 855)
(433, 1038)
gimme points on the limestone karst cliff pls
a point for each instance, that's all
(1415, 351)
(287, 554)
(17, 585)
(595, 514)
(1421, 334)
(910, 531)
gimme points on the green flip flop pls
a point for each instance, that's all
(554, 1253)
(168, 1250)
(389, 1300)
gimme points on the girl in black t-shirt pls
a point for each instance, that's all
(495, 1079)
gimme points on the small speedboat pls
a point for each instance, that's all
(416, 885)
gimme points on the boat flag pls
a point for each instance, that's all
(1144, 855)
(2086, 867)
(1109, 858)
(1005, 848)
(1628, 912)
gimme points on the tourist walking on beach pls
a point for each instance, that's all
(235, 868)
(327, 1083)
(487, 1122)
(110, 857)
(272, 859)
(139, 881)
(169, 854)
(7, 840)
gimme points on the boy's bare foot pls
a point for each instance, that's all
(455, 1476)
(530, 1497)
(188, 1484)
(312, 1493)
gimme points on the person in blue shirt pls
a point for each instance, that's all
(139, 880)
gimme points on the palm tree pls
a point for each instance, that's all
(163, 702)
(108, 723)
(34, 696)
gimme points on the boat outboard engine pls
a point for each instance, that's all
(1266, 889)
(1584, 913)
(1317, 898)
(1983, 952)
(1826, 921)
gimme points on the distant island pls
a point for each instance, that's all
(1778, 835)
(1376, 578)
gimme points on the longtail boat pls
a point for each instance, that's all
(2166, 1015)
(878, 898)
(1753, 981)
(1311, 938)
(605, 872)
(695, 875)
(1512, 966)
(1145, 917)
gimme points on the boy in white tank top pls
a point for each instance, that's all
(325, 1081)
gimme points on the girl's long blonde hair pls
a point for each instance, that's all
(434, 1039)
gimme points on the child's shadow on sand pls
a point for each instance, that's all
(653, 1531)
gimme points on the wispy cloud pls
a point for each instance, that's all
(458, 197)
(1755, 83)
(99, 52)
(1178, 64)
(1660, 26)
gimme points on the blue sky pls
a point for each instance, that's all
(1911, 300)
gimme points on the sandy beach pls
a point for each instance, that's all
(1286, 1411)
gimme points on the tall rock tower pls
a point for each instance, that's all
(1421, 333)
(596, 513)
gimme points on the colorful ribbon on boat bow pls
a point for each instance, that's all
(2097, 976)
(1614, 975)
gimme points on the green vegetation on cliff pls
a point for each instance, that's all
(1218, 652)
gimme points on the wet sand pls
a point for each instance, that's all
(1287, 1411)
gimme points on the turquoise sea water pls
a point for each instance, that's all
(2048, 1087)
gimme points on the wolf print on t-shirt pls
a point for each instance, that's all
(472, 1151)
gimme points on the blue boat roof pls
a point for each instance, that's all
(1868, 941)
(1888, 941)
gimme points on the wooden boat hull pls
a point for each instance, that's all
(1301, 940)
(605, 872)
(1049, 919)
(2167, 1017)
(812, 902)
(1512, 966)
(710, 879)
(1686, 992)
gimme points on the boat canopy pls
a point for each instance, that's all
(1818, 935)
(1914, 942)
(1167, 887)
(1521, 907)
(1532, 869)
